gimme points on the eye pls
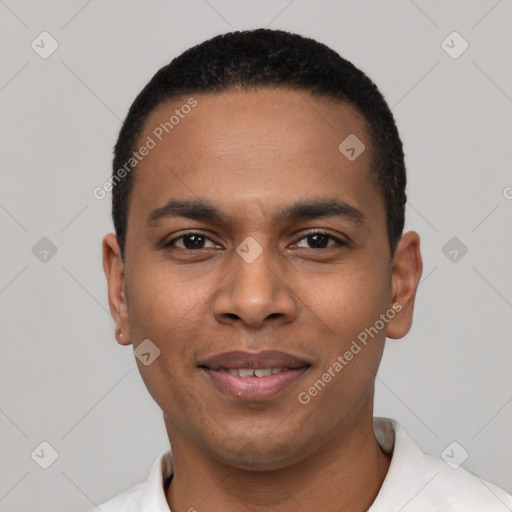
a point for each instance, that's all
(320, 240)
(195, 241)
(190, 241)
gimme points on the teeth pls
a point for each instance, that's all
(262, 372)
(254, 372)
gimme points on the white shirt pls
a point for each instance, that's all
(415, 482)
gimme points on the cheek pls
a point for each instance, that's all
(160, 300)
(352, 347)
(349, 306)
(348, 300)
(165, 311)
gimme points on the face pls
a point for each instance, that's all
(250, 231)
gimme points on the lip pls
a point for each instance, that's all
(244, 359)
(254, 388)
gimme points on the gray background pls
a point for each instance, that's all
(64, 379)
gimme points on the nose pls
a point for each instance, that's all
(255, 293)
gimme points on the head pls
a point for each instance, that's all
(265, 213)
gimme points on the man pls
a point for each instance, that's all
(257, 268)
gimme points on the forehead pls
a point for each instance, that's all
(265, 117)
(253, 149)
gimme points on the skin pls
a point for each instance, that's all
(252, 153)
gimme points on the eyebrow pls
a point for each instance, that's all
(201, 210)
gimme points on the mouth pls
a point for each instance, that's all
(254, 376)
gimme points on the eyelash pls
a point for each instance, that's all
(339, 242)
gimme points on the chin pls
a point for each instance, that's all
(258, 455)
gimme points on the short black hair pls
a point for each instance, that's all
(268, 58)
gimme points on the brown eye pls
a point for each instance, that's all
(320, 240)
(190, 241)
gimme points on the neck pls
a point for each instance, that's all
(348, 468)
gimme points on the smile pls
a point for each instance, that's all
(254, 384)
(253, 372)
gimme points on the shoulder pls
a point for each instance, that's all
(417, 482)
(147, 496)
(128, 501)
(460, 490)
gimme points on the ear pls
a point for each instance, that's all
(114, 271)
(406, 271)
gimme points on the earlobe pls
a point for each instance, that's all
(113, 267)
(407, 268)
